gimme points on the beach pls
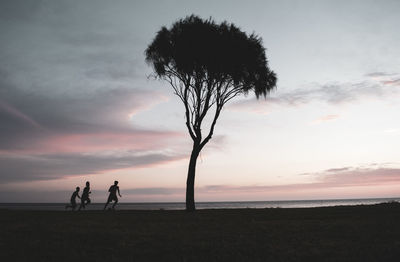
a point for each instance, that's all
(342, 233)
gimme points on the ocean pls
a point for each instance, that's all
(206, 205)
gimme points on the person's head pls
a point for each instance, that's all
(77, 189)
(115, 182)
(87, 183)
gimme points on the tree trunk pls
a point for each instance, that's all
(190, 205)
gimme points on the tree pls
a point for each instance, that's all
(207, 64)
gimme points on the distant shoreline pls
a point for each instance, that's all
(207, 205)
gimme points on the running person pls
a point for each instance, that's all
(85, 196)
(113, 195)
(73, 199)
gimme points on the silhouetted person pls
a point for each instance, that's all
(113, 195)
(85, 196)
(73, 199)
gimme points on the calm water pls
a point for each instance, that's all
(205, 205)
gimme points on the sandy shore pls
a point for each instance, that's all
(353, 233)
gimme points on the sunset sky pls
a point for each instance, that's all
(77, 103)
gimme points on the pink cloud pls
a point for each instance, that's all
(394, 82)
(108, 141)
(97, 141)
(332, 179)
(385, 78)
(361, 176)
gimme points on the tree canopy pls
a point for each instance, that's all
(214, 52)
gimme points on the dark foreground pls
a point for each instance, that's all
(358, 233)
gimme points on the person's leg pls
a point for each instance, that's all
(108, 201)
(71, 205)
(115, 202)
(81, 205)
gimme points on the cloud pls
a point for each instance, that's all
(19, 167)
(335, 170)
(378, 74)
(360, 176)
(394, 82)
(373, 86)
(369, 175)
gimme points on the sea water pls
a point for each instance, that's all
(206, 205)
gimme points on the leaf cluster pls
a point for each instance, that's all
(215, 52)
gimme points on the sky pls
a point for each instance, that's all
(78, 103)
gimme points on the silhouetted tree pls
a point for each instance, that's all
(208, 64)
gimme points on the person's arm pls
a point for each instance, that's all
(78, 196)
(119, 192)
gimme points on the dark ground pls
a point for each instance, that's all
(357, 233)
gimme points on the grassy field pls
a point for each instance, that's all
(358, 233)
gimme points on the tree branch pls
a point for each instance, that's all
(211, 132)
(188, 111)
